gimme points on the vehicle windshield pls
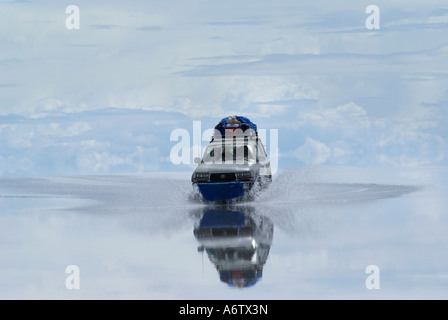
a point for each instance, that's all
(229, 153)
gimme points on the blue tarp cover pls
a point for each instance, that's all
(221, 126)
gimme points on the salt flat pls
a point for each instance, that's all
(131, 237)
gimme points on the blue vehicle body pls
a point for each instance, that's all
(221, 190)
(222, 219)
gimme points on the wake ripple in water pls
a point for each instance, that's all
(296, 187)
(123, 192)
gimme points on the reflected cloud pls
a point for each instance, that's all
(237, 241)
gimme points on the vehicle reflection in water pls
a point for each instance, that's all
(237, 242)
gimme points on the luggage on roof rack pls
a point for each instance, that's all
(234, 126)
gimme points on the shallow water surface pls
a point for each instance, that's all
(311, 235)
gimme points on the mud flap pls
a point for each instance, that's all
(221, 190)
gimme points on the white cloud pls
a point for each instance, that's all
(363, 97)
(17, 136)
(94, 162)
(405, 146)
(56, 130)
(12, 165)
(271, 109)
(338, 152)
(265, 96)
(347, 135)
(94, 145)
(49, 104)
(278, 89)
(349, 118)
(312, 152)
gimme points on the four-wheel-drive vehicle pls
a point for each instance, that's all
(233, 163)
(237, 241)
